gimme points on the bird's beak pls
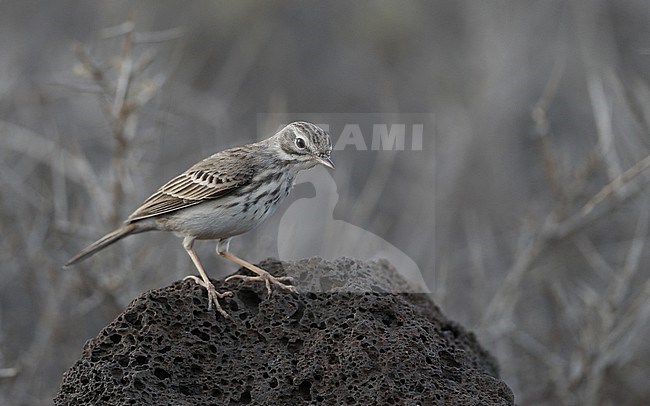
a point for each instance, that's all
(325, 161)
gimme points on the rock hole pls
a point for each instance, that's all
(249, 298)
(305, 390)
(201, 334)
(245, 397)
(161, 373)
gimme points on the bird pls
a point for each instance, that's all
(225, 195)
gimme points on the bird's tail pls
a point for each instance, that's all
(104, 242)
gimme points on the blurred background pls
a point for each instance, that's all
(526, 210)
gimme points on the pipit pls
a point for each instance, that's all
(227, 194)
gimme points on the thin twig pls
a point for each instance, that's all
(159, 36)
(603, 117)
(121, 110)
(616, 185)
(76, 168)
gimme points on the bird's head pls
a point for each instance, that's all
(305, 144)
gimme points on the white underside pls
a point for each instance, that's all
(214, 219)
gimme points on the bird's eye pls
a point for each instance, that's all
(300, 143)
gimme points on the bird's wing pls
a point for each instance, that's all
(212, 178)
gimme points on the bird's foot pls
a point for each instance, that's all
(268, 279)
(213, 295)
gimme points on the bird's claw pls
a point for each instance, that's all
(268, 279)
(213, 295)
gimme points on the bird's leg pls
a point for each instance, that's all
(262, 275)
(213, 295)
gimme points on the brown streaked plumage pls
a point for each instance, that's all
(227, 194)
(206, 180)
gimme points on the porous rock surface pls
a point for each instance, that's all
(344, 339)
